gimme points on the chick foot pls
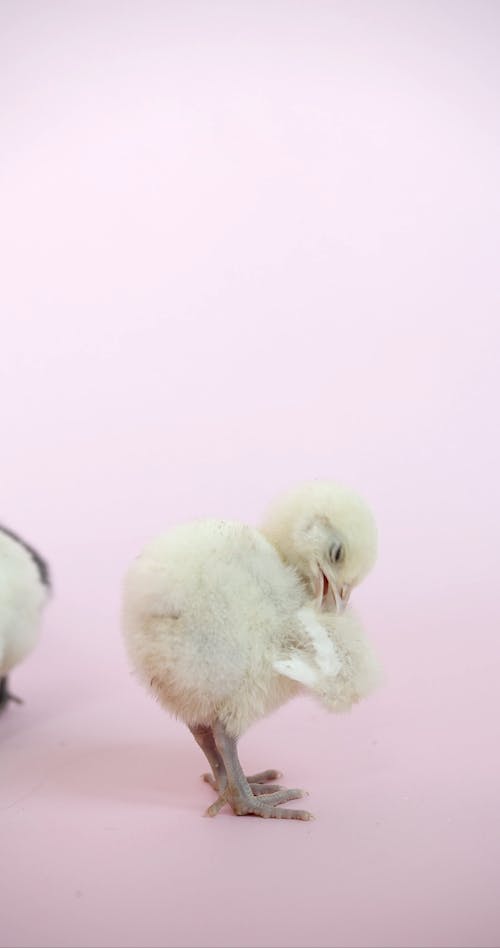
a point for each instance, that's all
(258, 782)
(248, 803)
(5, 695)
(250, 796)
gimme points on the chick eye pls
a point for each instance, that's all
(336, 552)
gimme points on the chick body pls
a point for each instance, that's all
(218, 626)
(208, 607)
(23, 593)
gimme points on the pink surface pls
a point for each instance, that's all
(245, 244)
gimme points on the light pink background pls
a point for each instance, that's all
(244, 244)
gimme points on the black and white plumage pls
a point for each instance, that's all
(224, 623)
(24, 589)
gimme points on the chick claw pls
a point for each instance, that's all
(259, 782)
(264, 805)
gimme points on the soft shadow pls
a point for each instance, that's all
(137, 774)
(35, 712)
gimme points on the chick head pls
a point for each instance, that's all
(328, 534)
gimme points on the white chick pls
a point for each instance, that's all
(224, 623)
(24, 589)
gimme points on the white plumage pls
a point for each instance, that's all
(24, 585)
(224, 623)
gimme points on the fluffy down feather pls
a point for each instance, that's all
(217, 625)
(23, 592)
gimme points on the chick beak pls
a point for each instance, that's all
(339, 605)
(338, 596)
(326, 592)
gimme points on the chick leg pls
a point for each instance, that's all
(217, 779)
(205, 739)
(238, 792)
(5, 695)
